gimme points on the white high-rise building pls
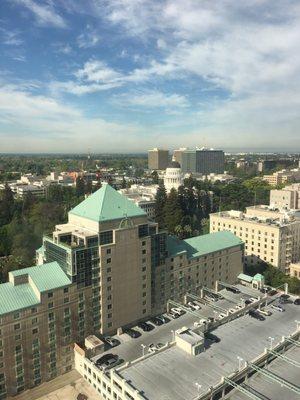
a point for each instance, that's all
(173, 177)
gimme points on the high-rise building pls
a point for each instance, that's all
(203, 161)
(158, 159)
(105, 269)
(177, 154)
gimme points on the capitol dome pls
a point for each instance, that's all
(173, 177)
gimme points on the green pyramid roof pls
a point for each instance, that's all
(105, 205)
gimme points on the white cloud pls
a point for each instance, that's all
(98, 71)
(45, 14)
(88, 38)
(154, 99)
(10, 38)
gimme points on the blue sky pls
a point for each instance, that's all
(127, 75)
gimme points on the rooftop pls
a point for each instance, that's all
(44, 277)
(172, 373)
(200, 245)
(107, 204)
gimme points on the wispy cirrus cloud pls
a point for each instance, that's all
(10, 37)
(44, 13)
(150, 99)
(88, 38)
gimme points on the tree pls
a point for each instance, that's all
(80, 187)
(123, 184)
(160, 201)
(173, 212)
(6, 206)
(154, 176)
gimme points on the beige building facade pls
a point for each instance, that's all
(158, 159)
(282, 177)
(272, 240)
(287, 198)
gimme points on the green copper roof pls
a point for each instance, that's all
(200, 245)
(44, 277)
(245, 277)
(107, 204)
(14, 298)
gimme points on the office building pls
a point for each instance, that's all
(273, 238)
(177, 155)
(203, 161)
(287, 198)
(283, 176)
(158, 159)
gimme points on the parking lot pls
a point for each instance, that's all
(172, 371)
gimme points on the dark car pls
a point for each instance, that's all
(212, 337)
(156, 321)
(284, 298)
(106, 358)
(256, 315)
(247, 301)
(297, 301)
(145, 327)
(233, 289)
(133, 333)
(273, 292)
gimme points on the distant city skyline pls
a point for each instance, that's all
(126, 76)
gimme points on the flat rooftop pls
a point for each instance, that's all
(267, 389)
(172, 374)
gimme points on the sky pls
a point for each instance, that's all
(128, 75)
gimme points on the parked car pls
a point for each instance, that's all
(253, 299)
(231, 310)
(213, 338)
(132, 333)
(264, 312)
(256, 315)
(174, 314)
(272, 292)
(222, 315)
(277, 307)
(157, 321)
(233, 289)
(239, 307)
(177, 310)
(145, 327)
(107, 361)
(154, 347)
(297, 301)
(284, 298)
(193, 305)
(111, 341)
(202, 321)
(248, 301)
(210, 297)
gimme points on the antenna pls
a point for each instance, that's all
(255, 198)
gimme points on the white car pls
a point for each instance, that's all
(264, 312)
(221, 316)
(231, 310)
(111, 341)
(239, 307)
(154, 347)
(193, 305)
(253, 299)
(200, 323)
(177, 310)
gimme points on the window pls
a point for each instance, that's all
(50, 295)
(50, 305)
(108, 251)
(106, 237)
(17, 326)
(66, 290)
(35, 331)
(33, 310)
(16, 315)
(108, 261)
